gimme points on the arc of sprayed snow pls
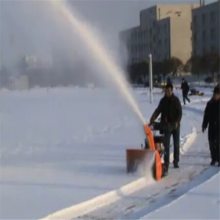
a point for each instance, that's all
(93, 44)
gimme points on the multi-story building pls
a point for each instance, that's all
(136, 44)
(165, 32)
(206, 29)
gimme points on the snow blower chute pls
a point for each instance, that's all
(153, 146)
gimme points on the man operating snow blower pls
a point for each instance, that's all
(171, 114)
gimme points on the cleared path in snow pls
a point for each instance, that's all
(202, 202)
(194, 169)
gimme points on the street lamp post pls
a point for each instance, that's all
(150, 78)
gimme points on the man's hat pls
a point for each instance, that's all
(217, 90)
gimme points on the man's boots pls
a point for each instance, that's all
(165, 169)
(175, 165)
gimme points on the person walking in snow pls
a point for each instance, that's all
(185, 90)
(171, 113)
(211, 120)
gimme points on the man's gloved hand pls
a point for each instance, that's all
(203, 129)
(177, 124)
(151, 122)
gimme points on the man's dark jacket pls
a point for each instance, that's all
(185, 87)
(171, 112)
(211, 119)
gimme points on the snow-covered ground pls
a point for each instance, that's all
(64, 146)
(202, 202)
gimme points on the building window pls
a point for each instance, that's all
(150, 32)
(195, 38)
(158, 30)
(141, 17)
(204, 35)
(213, 34)
(203, 18)
(165, 42)
(195, 52)
(212, 49)
(159, 43)
(212, 16)
(194, 19)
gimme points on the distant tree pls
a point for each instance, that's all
(188, 66)
(194, 65)
(138, 72)
(172, 65)
(4, 77)
(175, 64)
(158, 68)
(208, 63)
(211, 62)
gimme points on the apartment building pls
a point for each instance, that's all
(135, 40)
(206, 29)
(165, 32)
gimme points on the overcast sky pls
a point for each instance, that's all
(111, 16)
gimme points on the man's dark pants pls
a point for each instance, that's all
(176, 141)
(185, 97)
(214, 146)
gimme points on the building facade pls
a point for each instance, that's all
(135, 40)
(206, 29)
(165, 32)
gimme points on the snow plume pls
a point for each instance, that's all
(145, 168)
(36, 42)
(108, 67)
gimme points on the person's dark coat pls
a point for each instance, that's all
(212, 119)
(170, 110)
(185, 87)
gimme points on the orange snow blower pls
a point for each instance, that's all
(152, 146)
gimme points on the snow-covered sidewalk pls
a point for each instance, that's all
(202, 202)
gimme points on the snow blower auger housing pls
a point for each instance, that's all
(153, 148)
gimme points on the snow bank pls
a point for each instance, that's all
(202, 202)
(105, 199)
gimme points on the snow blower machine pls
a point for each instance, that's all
(153, 149)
